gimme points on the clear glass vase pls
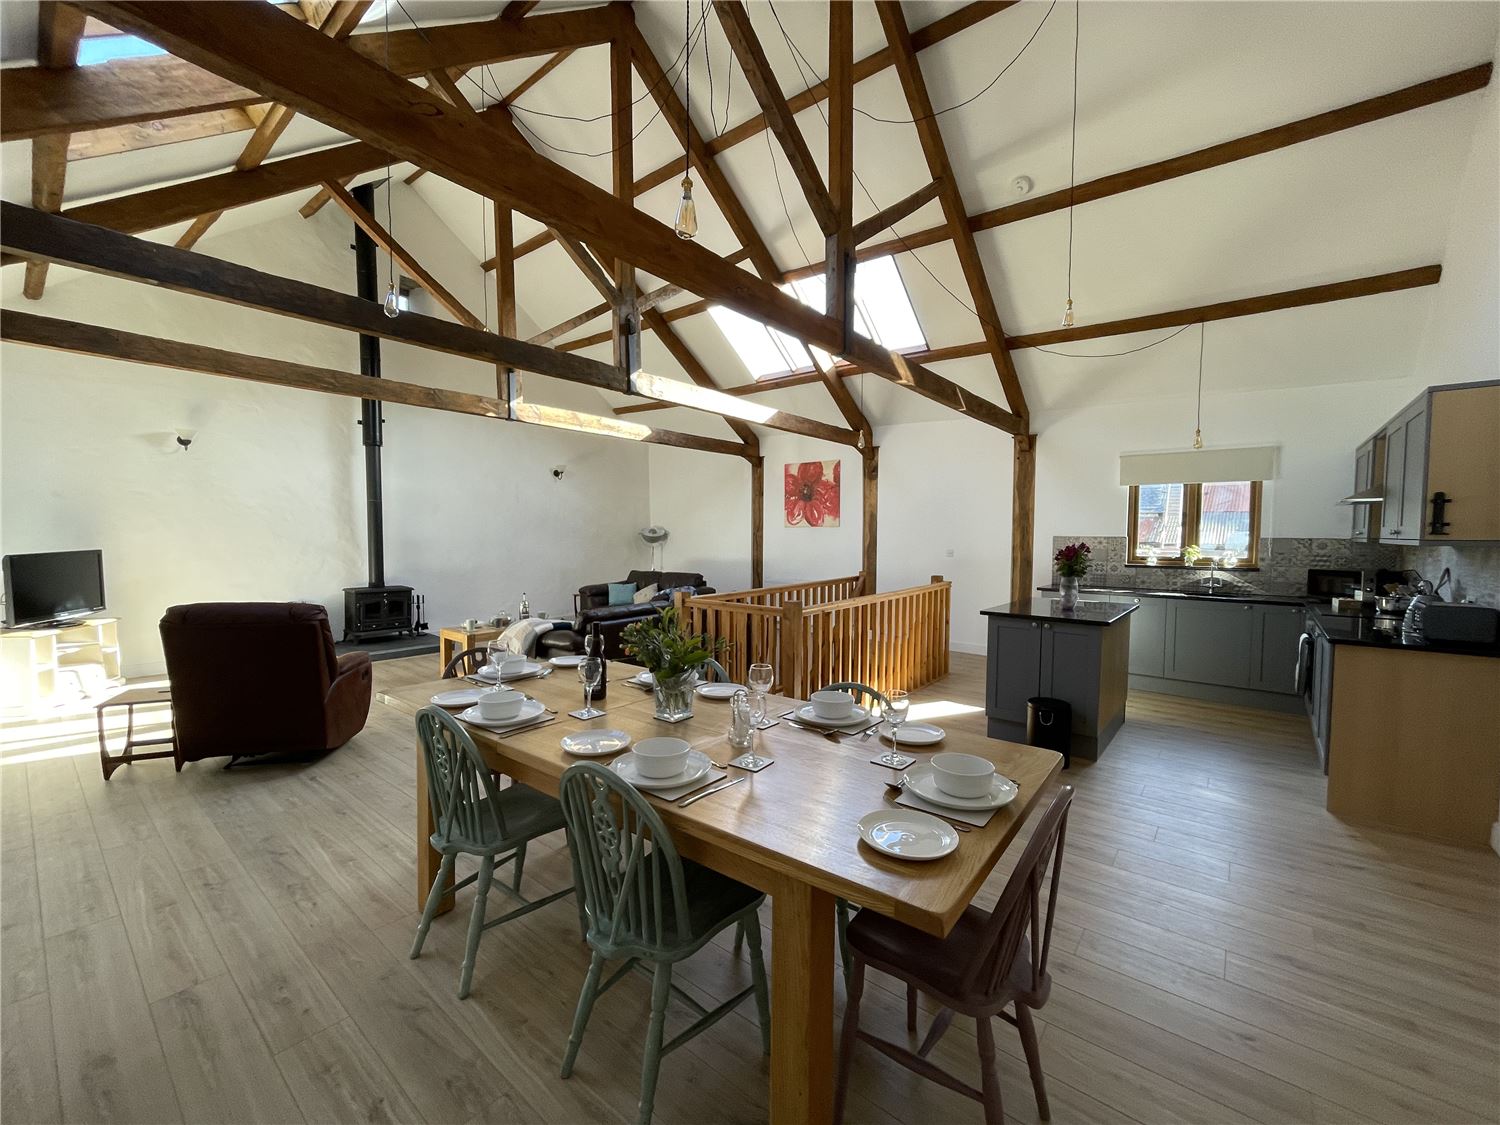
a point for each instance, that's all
(1069, 589)
(674, 696)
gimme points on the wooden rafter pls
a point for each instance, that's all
(936, 154)
(839, 244)
(735, 21)
(59, 30)
(689, 362)
(866, 229)
(296, 66)
(627, 324)
(413, 51)
(402, 256)
(338, 20)
(112, 343)
(645, 301)
(153, 134)
(1244, 306)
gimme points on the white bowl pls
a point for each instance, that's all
(962, 775)
(499, 705)
(510, 665)
(661, 757)
(832, 704)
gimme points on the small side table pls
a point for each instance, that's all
(453, 639)
(130, 700)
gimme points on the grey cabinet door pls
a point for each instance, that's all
(1414, 475)
(1273, 654)
(1015, 662)
(1209, 642)
(1070, 671)
(1395, 473)
(1364, 464)
(1148, 637)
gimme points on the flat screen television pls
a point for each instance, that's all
(52, 586)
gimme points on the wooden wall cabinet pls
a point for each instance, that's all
(1447, 441)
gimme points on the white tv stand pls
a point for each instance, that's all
(36, 665)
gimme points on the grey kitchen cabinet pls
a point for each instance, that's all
(1210, 642)
(1148, 638)
(1015, 667)
(1070, 670)
(1273, 647)
(1405, 475)
(1369, 475)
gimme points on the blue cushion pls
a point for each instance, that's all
(621, 593)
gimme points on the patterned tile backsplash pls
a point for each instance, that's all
(1284, 564)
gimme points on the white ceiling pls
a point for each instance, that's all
(1154, 80)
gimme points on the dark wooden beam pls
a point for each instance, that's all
(55, 238)
(1243, 306)
(685, 358)
(403, 257)
(735, 21)
(153, 134)
(757, 522)
(481, 42)
(870, 518)
(296, 66)
(59, 30)
(904, 53)
(866, 229)
(839, 245)
(1022, 517)
(627, 317)
(112, 343)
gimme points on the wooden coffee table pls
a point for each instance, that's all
(453, 639)
(130, 699)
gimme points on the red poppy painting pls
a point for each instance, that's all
(812, 494)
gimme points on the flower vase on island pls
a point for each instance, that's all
(1072, 564)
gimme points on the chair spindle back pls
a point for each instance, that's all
(460, 788)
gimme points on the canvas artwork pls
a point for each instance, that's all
(812, 494)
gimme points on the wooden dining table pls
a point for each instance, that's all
(790, 830)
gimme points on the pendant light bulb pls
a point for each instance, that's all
(686, 225)
(1067, 320)
(392, 302)
(1197, 439)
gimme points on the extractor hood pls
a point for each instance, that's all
(1364, 496)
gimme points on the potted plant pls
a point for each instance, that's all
(1191, 554)
(1072, 564)
(675, 659)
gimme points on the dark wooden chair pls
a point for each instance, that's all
(466, 663)
(987, 962)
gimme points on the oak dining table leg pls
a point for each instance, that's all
(429, 859)
(802, 968)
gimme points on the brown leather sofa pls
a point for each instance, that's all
(261, 678)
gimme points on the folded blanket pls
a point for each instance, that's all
(521, 637)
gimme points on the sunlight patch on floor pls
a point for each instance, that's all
(940, 709)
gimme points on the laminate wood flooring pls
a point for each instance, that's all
(232, 947)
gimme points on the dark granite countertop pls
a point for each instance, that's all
(1247, 596)
(1050, 609)
(1363, 629)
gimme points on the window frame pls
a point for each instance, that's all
(1192, 510)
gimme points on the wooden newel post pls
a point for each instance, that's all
(790, 673)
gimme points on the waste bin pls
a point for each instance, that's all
(1049, 724)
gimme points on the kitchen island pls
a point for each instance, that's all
(1079, 655)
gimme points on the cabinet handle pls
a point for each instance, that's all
(1033, 624)
(1046, 626)
(1245, 608)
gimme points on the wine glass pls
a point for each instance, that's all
(897, 705)
(494, 653)
(759, 681)
(589, 671)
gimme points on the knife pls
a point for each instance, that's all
(710, 792)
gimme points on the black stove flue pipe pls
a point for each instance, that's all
(367, 282)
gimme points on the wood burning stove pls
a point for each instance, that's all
(377, 611)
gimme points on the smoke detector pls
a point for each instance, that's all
(1022, 185)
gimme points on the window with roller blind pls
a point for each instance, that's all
(1216, 516)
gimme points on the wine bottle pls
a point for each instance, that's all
(595, 647)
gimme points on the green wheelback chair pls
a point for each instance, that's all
(643, 902)
(474, 817)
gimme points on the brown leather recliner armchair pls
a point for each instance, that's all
(260, 678)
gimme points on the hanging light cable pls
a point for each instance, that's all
(1198, 430)
(392, 302)
(1067, 320)
(686, 224)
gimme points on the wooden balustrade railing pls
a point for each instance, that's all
(896, 640)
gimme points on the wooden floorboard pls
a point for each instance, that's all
(232, 946)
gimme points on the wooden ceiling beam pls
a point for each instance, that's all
(731, 406)
(75, 338)
(403, 257)
(838, 279)
(626, 329)
(866, 229)
(909, 70)
(290, 64)
(481, 42)
(153, 134)
(55, 238)
(735, 21)
(59, 29)
(1244, 306)
(689, 362)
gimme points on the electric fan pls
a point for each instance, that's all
(653, 537)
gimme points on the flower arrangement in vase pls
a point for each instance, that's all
(674, 657)
(1072, 564)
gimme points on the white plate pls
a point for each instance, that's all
(529, 668)
(908, 834)
(858, 717)
(917, 734)
(566, 661)
(920, 781)
(595, 743)
(463, 697)
(530, 711)
(643, 679)
(626, 767)
(718, 691)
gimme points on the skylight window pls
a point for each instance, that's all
(106, 48)
(882, 313)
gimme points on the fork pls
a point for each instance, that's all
(831, 735)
